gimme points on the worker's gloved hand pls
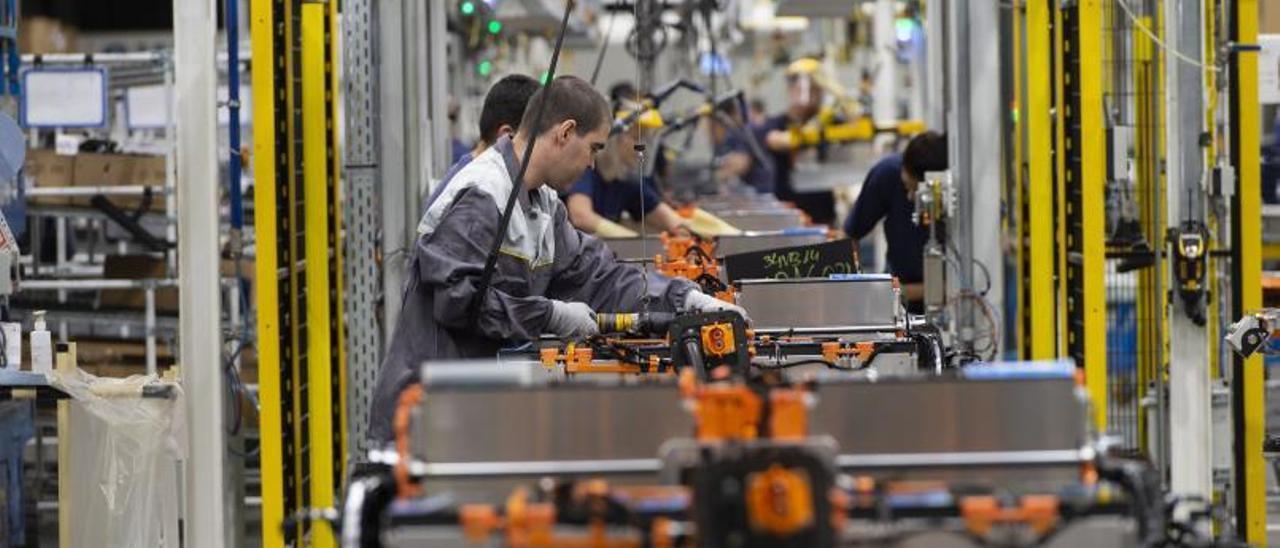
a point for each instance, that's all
(572, 321)
(697, 301)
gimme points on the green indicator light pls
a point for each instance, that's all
(484, 68)
(468, 8)
(543, 78)
(495, 26)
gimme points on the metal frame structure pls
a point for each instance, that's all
(1191, 159)
(209, 511)
(301, 339)
(1061, 296)
(361, 215)
(1189, 372)
(1248, 407)
(1037, 301)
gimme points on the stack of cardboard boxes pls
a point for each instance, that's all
(39, 34)
(48, 169)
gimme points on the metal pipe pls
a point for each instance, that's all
(125, 190)
(150, 330)
(541, 468)
(94, 58)
(95, 284)
(207, 504)
(233, 119)
(832, 330)
(135, 57)
(1046, 457)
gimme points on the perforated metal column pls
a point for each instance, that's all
(362, 208)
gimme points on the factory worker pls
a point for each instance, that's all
(500, 115)
(888, 194)
(550, 278)
(805, 94)
(597, 201)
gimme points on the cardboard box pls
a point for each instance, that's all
(40, 34)
(96, 170)
(1269, 17)
(149, 170)
(47, 169)
(136, 267)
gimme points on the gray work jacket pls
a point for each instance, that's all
(542, 258)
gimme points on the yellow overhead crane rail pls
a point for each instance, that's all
(858, 130)
(827, 127)
(301, 370)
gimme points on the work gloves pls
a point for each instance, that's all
(697, 301)
(572, 321)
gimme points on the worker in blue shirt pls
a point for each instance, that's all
(612, 187)
(888, 194)
(734, 161)
(500, 115)
(805, 102)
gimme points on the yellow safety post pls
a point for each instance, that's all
(335, 234)
(1018, 217)
(1247, 381)
(1145, 154)
(1093, 153)
(1041, 301)
(315, 174)
(1061, 79)
(270, 425)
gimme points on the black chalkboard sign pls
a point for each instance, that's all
(786, 263)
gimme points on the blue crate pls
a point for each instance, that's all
(1122, 337)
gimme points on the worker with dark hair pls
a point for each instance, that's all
(888, 194)
(548, 277)
(622, 91)
(503, 108)
(613, 187)
(805, 100)
(734, 161)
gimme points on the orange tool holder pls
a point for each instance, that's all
(1038, 512)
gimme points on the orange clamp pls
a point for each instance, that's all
(779, 500)
(1039, 512)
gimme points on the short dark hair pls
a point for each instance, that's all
(622, 90)
(567, 98)
(926, 152)
(504, 105)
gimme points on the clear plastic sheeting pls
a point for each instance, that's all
(122, 446)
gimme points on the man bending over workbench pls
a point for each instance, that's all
(549, 277)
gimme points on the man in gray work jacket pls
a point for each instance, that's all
(550, 278)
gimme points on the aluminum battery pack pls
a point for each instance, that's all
(865, 302)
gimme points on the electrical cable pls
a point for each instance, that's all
(810, 361)
(1168, 49)
(639, 147)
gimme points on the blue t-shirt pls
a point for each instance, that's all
(457, 166)
(820, 205)
(458, 149)
(758, 177)
(611, 199)
(884, 197)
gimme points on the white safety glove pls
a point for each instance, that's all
(697, 301)
(572, 321)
